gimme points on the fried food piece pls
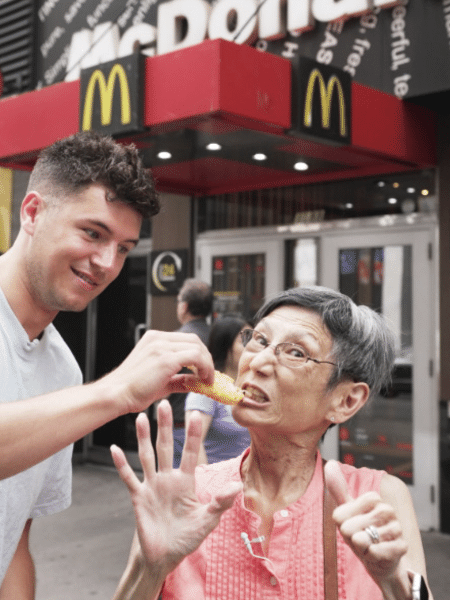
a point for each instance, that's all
(223, 389)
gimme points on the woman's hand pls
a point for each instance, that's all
(171, 521)
(384, 552)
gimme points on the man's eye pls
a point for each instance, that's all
(94, 235)
(123, 250)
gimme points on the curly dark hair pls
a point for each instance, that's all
(88, 157)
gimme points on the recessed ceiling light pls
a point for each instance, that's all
(381, 184)
(411, 190)
(392, 200)
(425, 192)
(301, 166)
(395, 184)
(349, 205)
(164, 155)
(213, 146)
(259, 156)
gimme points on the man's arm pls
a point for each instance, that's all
(19, 582)
(33, 429)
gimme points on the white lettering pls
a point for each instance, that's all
(331, 10)
(73, 10)
(183, 23)
(52, 73)
(141, 36)
(52, 39)
(400, 42)
(234, 20)
(272, 20)
(47, 8)
(142, 11)
(98, 13)
(401, 86)
(289, 49)
(88, 48)
(172, 18)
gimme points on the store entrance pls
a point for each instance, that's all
(392, 272)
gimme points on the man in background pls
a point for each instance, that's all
(194, 305)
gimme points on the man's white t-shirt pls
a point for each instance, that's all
(29, 369)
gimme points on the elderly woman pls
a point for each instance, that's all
(262, 525)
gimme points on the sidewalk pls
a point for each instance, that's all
(81, 553)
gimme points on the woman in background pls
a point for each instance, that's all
(222, 437)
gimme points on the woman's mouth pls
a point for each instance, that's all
(254, 395)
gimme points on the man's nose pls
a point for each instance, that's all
(106, 257)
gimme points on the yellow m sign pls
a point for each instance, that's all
(326, 98)
(106, 91)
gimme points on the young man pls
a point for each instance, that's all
(80, 217)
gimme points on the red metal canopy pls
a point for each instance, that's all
(239, 98)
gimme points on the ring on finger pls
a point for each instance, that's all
(372, 532)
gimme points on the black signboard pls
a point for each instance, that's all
(168, 271)
(111, 96)
(321, 102)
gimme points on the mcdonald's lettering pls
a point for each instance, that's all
(326, 98)
(110, 97)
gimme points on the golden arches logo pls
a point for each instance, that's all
(326, 97)
(106, 91)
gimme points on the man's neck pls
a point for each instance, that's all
(32, 318)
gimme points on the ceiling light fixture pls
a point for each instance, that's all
(425, 192)
(411, 190)
(392, 200)
(213, 146)
(164, 155)
(260, 156)
(301, 166)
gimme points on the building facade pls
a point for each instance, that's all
(292, 143)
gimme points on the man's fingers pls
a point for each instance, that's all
(126, 473)
(336, 483)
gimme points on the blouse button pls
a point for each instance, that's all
(284, 513)
(273, 580)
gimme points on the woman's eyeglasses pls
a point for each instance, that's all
(288, 354)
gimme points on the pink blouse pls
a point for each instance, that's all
(222, 568)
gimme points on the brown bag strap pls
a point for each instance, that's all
(329, 544)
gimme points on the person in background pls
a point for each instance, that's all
(276, 522)
(194, 305)
(222, 437)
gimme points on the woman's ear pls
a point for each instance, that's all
(349, 399)
(32, 205)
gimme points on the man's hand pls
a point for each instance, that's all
(171, 521)
(151, 370)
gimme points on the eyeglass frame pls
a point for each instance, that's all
(277, 350)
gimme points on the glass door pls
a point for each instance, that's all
(392, 272)
(242, 270)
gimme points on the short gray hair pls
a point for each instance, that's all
(363, 344)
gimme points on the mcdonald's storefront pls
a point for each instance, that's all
(276, 168)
